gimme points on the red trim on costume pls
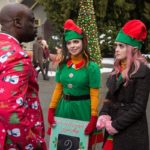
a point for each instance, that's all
(69, 63)
(96, 138)
(108, 144)
(76, 66)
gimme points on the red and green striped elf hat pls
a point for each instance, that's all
(72, 31)
(133, 33)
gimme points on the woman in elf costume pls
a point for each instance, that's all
(76, 95)
(123, 114)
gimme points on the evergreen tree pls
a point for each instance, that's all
(110, 14)
(87, 22)
(58, 11)
(145, 14)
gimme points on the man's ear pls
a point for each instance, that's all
(17, 22)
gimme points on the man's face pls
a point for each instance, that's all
(29, 30)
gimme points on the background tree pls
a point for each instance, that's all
(116, 13)
(87, 22)
(110, 14)
(58, 11)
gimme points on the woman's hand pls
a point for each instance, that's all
(110, 129)
(91, 125)
(51, 119)
(102, 121)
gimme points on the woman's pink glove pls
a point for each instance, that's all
(110, 129)
(102, 121)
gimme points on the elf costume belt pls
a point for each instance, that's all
(76, 98)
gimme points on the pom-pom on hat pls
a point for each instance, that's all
(133, 33)
(72, 31)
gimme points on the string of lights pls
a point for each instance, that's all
(87, 21)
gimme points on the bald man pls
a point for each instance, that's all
(21, 119)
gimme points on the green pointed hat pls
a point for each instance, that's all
(72, 31)
(133, 33)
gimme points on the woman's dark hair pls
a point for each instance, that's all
(85, 51)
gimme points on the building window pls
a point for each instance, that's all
(37, 22)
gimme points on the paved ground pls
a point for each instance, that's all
(46, 89)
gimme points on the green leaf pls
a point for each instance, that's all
(18, 67)
(5, 47)
(9, 141)
(14, 118)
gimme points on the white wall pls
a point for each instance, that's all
(5, 2)
(40, 14)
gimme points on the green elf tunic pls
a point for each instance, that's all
(77, 81)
